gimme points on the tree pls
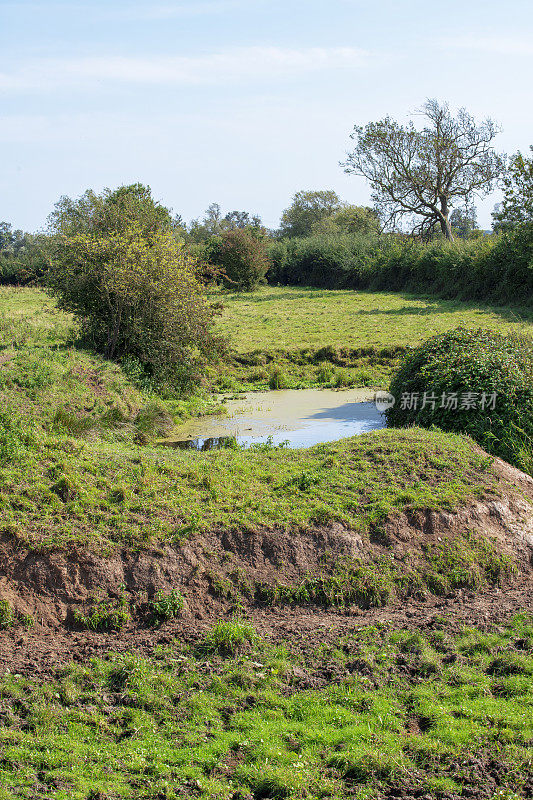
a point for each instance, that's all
(235, 220)
(308, 209)
(464, 222)
(214, 224)
(421, 174)
(349, 219)
(517, 205)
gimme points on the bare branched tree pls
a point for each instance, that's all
(421, 174)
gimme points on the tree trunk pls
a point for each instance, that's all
(445, 226)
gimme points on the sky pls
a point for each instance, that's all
(240, 102)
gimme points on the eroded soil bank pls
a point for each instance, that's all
(412, 554)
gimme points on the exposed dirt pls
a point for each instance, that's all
(51, 585)
(41, 650)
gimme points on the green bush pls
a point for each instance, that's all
(116, 265)
(497, 269)
(475, 382)
(242, 258)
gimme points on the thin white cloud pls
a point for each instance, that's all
(236, 65)
(497, 45)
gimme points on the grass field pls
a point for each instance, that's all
(295, 338)
(434, 714)
(441, 713)
(288, 318)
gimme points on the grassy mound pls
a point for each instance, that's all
(101, 495)
(473, 381)
(49, 386)
(379, 712)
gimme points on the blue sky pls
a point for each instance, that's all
(240, 102)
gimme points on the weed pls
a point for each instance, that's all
(7, 615)
(227, 638)
(166, 606)
(277, 380)
(105, 615)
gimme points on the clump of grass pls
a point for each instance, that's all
(7, 614)
(105, 615)
(166, 606)
(351, 582)
(227, 638)
(325, 372)
(510, 664)
(10, 617)
(277, 379)
(467, 561)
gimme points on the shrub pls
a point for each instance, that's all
(116, 264)
(135, 297)
(497, 269)
(242, 258)
(490, 375)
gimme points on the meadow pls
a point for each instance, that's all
(294, 318)
(286, 337)
(379, 712)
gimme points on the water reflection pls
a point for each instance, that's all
(295, 420)
(210, 443)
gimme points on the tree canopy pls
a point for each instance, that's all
(112, 210)
(308, 209)
(419, 175)
(517, 205)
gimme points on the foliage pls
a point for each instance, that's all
(112, 211)
(166, 606)
(135, 296)
(23, 256)
(493, 269)
(517, 206)
(241, 256)
(306, 210)
(7, 615)
(420, 175)
(105, 614)
(214, 224)
(464, 222)
(228, 638)
(349, 219)
(483, 365)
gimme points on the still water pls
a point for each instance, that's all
(300, 417)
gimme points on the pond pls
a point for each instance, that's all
(298, 417)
